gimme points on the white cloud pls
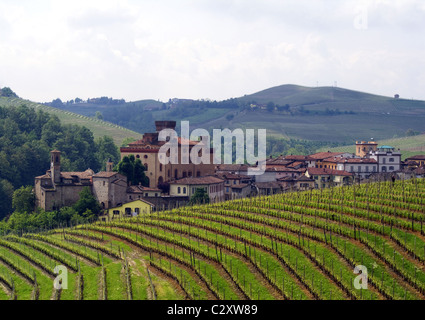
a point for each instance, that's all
(207, 49)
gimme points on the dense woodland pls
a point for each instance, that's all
(26, 138)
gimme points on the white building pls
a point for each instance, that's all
(387, 158)
(186, 187)
(362, 167)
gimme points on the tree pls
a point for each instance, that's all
(8, 93)
(56, 103)
(23, 199)
(87, 202)
(411, 133)
(98, 115)
(270, 106)
(6, 193)
(134, 170)
(199, 197)
(106, 149)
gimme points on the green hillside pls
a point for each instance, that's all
(98, 127)
(293, 246)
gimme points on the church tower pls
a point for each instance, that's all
(109, 165)
(55, 166)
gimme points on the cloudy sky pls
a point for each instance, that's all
(210, 49)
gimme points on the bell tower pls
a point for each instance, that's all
(55, 166)
(109, 165)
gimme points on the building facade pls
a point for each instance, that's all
(387, 158)
(186, 187)
(147, 150)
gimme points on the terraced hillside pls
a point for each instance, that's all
(289, 246)
(98, 127)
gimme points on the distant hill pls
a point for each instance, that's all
(98, 127)
(291, 111)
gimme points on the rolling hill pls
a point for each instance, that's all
(98, 127)
(313, 113)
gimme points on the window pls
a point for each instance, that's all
(145, 156)
(367, 168)
(137, 210)
(351, 168)
(384, 160)
(146, 166)
(198, 173)
(374, 169)
(160, 167)
(384, 169)
(359, 169)
(391, 168)
(138, 157)
(391, 159)
(179, 190)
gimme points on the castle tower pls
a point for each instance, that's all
(55, 166)
(363, 148)
(109, 165)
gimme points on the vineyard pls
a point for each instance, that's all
(293, 246)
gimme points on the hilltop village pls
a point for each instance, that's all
(223, 182)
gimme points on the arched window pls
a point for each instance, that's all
(179, 190)
(146, 166)
(184, 190)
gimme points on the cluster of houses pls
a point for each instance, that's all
(220, 182)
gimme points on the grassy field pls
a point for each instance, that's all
(98, 127)
(409, 146)
(293, 246)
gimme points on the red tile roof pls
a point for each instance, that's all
(299, 158)
(141, 189)
(325, 155)
(104, 174)
(327, 172)
(198, 180)
(417, 157)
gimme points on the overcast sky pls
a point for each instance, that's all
(209, 49)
